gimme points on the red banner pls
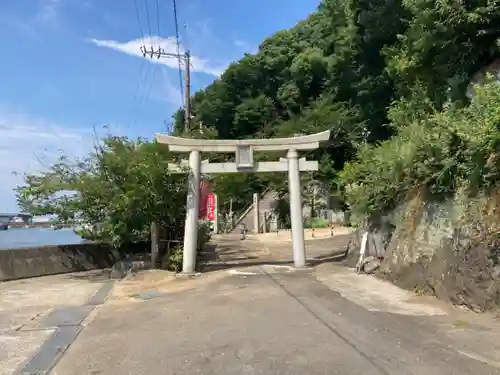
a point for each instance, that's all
(211, 207)
(204, 191)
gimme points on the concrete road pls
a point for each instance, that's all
(268, 320)
(27, 305)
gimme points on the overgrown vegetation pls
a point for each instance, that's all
(173, 259)
(387, 77)
(441, 152)
(317, 222)
(366, 70)
(115, 192)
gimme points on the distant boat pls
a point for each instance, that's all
(4, 226)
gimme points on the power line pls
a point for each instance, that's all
(136, 98)
(137, 87)
(158, 19)
(149, 21)
(151, 82)
(139, 21)
(176, 23)
(160, 52)
(140, 94)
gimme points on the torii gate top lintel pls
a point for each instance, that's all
(304, 142)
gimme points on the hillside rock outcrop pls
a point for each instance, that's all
(448, 248)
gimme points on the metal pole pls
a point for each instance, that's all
(187, 93)
(298, 244)
(192, 213)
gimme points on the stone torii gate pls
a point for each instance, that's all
(243, 150)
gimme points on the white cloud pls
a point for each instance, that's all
(28, 145)
(169, 45)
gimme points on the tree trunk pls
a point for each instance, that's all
(155, 243)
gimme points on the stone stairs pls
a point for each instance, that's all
(267, 204)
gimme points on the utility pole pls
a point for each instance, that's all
(187, 93)
(158, 53)
(186, 58)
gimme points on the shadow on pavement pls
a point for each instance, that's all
(230, 253)
(91, 276)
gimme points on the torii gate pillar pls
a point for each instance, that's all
(192, 213)
(298, 244)
(243, 149)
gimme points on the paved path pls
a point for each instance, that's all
(31, 312)
(266, 320)
(249, 313)
(231, 251)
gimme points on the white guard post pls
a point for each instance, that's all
(362, 251)
(256, 218)
(243, 149)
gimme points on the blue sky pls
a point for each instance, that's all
(68, 66)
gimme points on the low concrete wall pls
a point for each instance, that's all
(51, 260)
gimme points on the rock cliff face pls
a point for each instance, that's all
(449, 248)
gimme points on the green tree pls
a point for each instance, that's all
(120, 188)
(440, 152)
(363, 69)
(445, 43)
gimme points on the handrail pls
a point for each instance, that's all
(262, 223)
(247, 210)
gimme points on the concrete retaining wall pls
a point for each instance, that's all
(51, 260)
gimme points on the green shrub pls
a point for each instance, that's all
(440, 152)
(317, 222)
(173, 261)
(204, 230)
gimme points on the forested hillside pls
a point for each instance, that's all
(363, 68)
(388, 77)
